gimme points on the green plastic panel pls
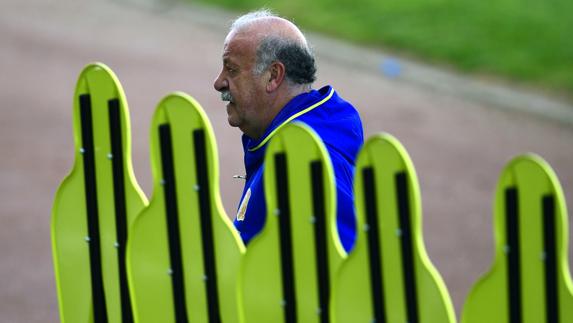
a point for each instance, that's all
(151, 246)
(264, 265)
(529, 281)
(71, 241)
(375, 272)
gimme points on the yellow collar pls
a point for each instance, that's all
(312, 107)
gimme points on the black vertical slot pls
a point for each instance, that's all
(171, 210)
(120, 207)
(376, 279)
(513, 268)
(551, 273)
(206, 226)
(285, 237)
(320, 239)
(407, 247)
(90, 186)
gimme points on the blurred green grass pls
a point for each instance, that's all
(529, 41)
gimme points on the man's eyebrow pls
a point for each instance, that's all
(228, 62)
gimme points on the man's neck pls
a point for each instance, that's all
(276, 104)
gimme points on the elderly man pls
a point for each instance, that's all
(268, 70)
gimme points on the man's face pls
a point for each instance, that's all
(238, 84)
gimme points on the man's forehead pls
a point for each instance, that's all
(238, 44)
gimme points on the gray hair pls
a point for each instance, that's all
(296, 56)
(249, 18)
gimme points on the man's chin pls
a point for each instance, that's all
(232, 121)
(231, 116)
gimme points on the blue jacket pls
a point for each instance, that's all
(338, 125)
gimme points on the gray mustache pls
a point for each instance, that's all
(226, 96)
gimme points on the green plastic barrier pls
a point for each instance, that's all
(184, 254)
(529, 281)
(288, 267)
(95, 205)
(388, 276)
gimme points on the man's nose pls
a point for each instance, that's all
(220, 83)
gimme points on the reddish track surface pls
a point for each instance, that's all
(457, 146)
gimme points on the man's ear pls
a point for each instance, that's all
(277, 75)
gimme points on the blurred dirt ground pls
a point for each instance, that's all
(458, 146)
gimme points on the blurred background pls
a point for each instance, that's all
(526, 42)
(464, 85)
